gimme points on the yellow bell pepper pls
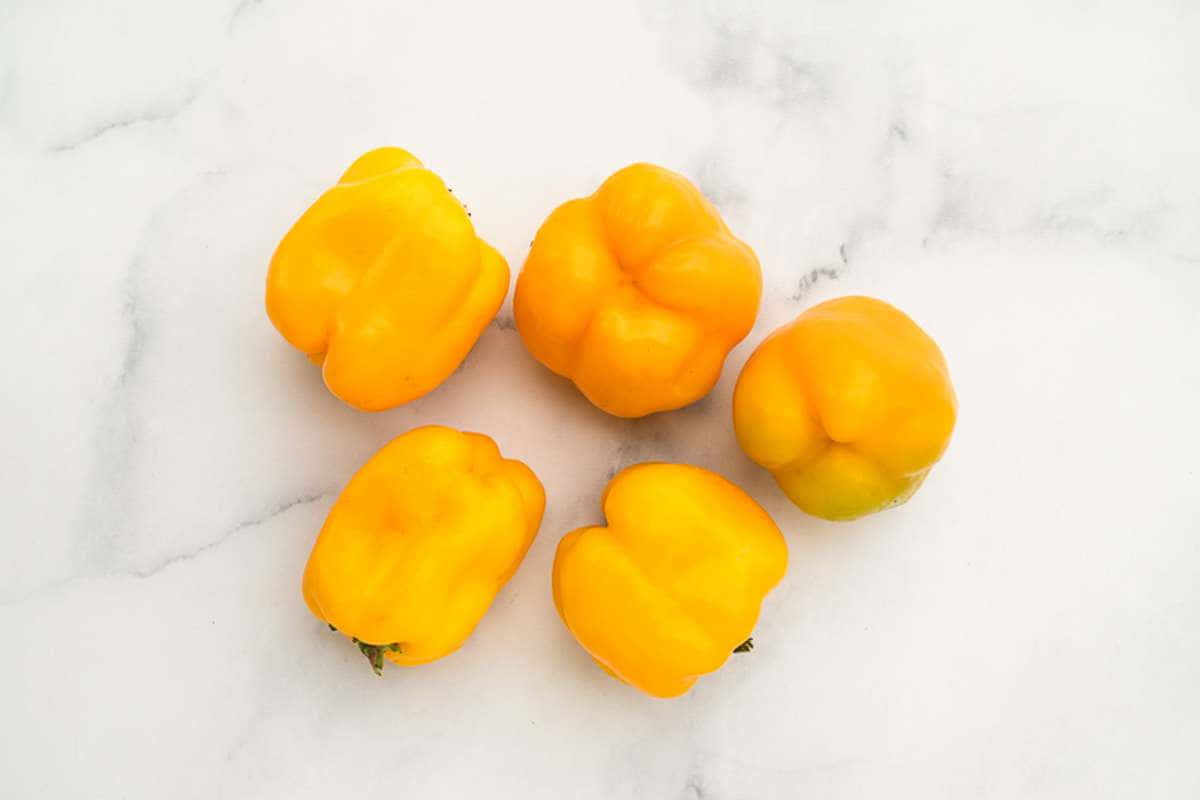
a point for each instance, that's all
(419, 542)
(383, 282)
(637, 293)
(673, 584)
(849, 406)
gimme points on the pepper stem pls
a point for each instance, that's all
(745, 647)
(374, 652)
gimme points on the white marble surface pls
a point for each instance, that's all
(1024, 181)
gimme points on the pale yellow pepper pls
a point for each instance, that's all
(672, 585)
(419, 542)
(383, 282)
(849, 406)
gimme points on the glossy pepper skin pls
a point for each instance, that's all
(420, 541)
(383, 282)
(849, 406)
(672, 585)
(637, 293)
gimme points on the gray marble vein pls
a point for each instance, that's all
(157, 113)
(244, 525)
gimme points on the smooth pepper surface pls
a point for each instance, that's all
(668, 589)
(637, 293)
(849, 406)
(419, 542)
(383, 282)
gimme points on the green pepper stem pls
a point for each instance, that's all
(374, 652)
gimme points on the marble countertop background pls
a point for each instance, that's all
(1024, 180)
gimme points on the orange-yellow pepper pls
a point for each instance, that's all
(849, 406)
(672, 585)
(637, 293)
(383, 282)
(419, 542)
